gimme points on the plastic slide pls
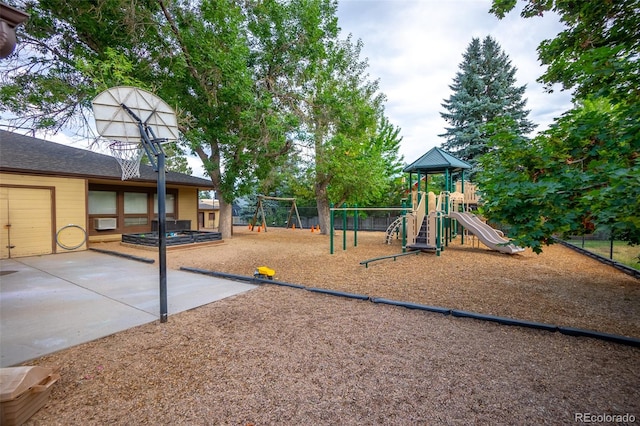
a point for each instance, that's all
(485, 233)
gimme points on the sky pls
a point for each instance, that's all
(414, 48)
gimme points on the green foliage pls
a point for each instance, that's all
(597, 53)
(579, 174)
(250, 81)
(584, 172)
(483, 90)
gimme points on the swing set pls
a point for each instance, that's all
(260, 211)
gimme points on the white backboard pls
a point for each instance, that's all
(114, 122)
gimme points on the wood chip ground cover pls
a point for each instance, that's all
(277, 355)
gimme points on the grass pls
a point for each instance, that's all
(622, 251)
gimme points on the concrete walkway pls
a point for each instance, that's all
(50, 303)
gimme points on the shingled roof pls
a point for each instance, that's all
(25, 154)
(436, 161)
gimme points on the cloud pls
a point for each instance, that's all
(414, 47)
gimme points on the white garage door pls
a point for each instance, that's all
(25, 221)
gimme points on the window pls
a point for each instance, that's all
(135, 221)
(169, 202)
(135, 203)
(103, 203)
(136, 206)
(126, 209)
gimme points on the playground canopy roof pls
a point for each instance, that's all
(436, 161)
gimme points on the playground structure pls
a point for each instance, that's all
(433, 231)
(429, 223)
(260, 212)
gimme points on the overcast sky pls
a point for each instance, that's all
(414, 47)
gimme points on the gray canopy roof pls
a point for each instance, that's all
(436, 161)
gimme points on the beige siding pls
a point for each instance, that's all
(26, 222)
(69, 208)
(188, 206)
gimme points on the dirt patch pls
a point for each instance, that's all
(286, 356)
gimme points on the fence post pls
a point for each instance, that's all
(611, 246)
(331, 226)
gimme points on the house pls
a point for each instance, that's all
(208, 214)
(55, 198)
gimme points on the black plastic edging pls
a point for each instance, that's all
(338, 293)
(504, 320)
(126, 256)
(569, 331)
(619, 266)
(280, 283)
(578, 332)
(235, 277)
(217, 274)
(410, 305)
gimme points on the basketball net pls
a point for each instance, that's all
(128, 156)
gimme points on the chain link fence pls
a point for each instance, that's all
(603, 243)
(277, 215)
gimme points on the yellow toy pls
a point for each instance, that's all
(264, 272)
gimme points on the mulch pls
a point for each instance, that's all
(279, 355)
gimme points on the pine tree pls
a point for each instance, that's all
(483, 90)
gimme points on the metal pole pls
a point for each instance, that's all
(355, 226)
(447, 220)
(404, 227)
(162, 235)
(611, 246)
(438, 232)
(332, 228)
(426, 193)
(344, 229)
(464, 209)
(154, 148)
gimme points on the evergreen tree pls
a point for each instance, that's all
(483, 90)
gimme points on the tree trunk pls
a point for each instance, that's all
(322, 202)
(225, 224)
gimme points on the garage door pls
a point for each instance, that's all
(25, 219)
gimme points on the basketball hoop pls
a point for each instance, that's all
(139, 122)
(128, 156)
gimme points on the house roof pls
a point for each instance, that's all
(437, 161)
(208, 204)
(25, 154)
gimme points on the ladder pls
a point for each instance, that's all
(393, 229)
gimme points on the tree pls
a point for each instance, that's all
(597, 52)
(585, 170)
(346, 150)
(248, 80)
(484, 89)
(355, 148)
(194, 55)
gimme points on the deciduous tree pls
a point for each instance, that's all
(585, 170)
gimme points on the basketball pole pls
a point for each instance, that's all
(162, 234)
(153, 147)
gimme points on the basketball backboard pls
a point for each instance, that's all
(114, 122)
